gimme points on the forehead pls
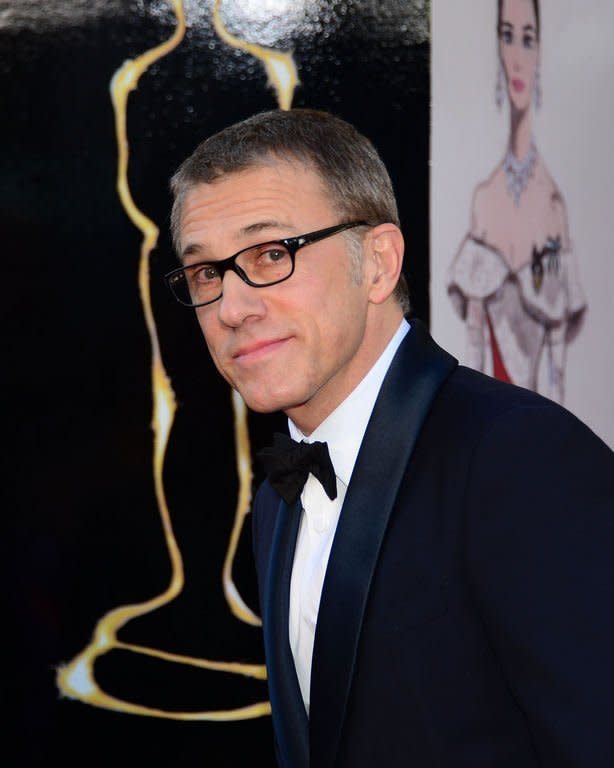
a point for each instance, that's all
(281, 194)
(518, 12)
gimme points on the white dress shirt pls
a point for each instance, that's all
(343, 430)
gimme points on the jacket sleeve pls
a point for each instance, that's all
(540, 544)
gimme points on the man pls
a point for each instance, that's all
(445, 597)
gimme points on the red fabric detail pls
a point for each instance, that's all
(499, 370)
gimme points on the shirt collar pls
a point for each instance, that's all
(344, 428)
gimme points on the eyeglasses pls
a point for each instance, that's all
(257, 265)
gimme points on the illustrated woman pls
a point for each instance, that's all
(514, 279)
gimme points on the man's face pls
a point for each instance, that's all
(299, 346)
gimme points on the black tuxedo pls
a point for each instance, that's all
(467, 614)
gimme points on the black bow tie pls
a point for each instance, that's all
(288, 464)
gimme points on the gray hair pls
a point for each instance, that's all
(348, 164)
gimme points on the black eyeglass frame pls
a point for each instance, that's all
(292, 245)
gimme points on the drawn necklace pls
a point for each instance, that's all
(518, 172)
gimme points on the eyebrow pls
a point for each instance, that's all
(508, 26)
(259, 226)
(190, 250)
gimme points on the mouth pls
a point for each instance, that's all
(258, 349)
(518, 85)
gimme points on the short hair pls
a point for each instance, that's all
(352, 172)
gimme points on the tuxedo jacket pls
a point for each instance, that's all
(467, 612)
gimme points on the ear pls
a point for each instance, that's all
(385, 260)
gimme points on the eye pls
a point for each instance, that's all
(274, 255)
(266, 262)
(528, 41)
(267, 255)
(506, 36)
(205, 274)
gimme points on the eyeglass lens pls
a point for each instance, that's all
(264, 264)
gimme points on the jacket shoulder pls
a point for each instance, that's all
(478, 404)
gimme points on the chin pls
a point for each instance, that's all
(259, 407)
(268, 403)
(520, 103)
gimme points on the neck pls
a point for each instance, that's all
(521, 131)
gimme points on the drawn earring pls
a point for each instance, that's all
(537, 90)
(500, 86)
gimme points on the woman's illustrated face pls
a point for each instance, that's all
(519, 50)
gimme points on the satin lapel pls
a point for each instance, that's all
(416, 373)
(289, 716)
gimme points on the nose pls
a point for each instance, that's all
(516, 56)
(239, 301)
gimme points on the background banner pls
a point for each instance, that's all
(528, 267)
(133, 633)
